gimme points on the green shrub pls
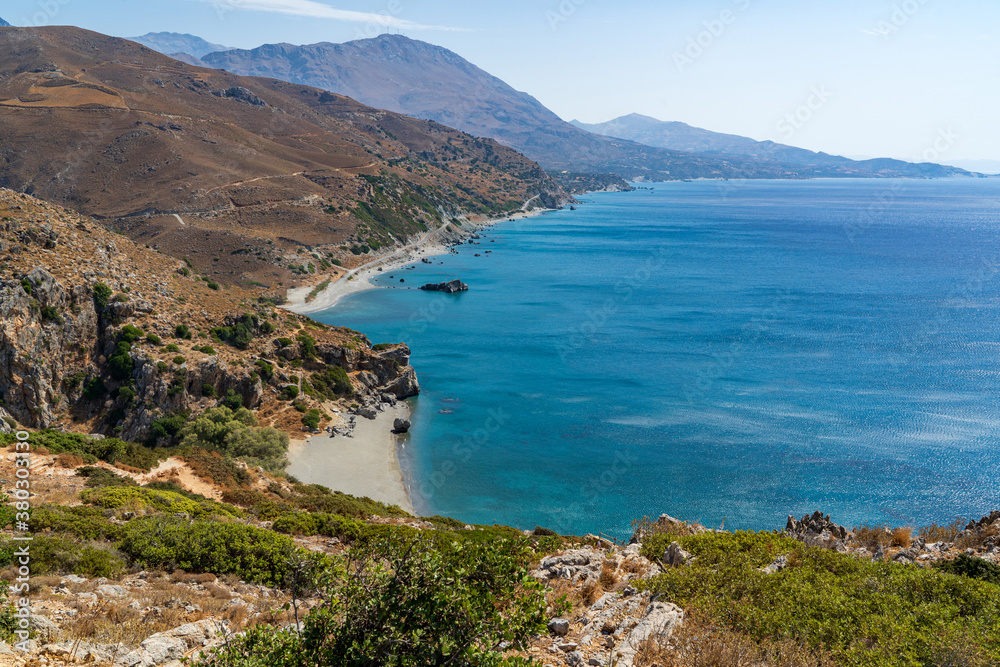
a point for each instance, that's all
(972, 567)
(102, 296)
(333, 383)
(162, 366)
(80, 521)
(120, 363)
(183, 332)
(98, 477)
(130, 334)
(213, 285)
(318, 523)
(235, 433)
(864, 613)
(289, 392)
(173, 488)
(284, 342)
(8, 620)
(253, 554)
(94, 389)
(172, 347)
(309, 349)
(266, 369)
(168, 427)
(409, 603)
(139, 498)
(50, 313)
(110, 450)
(316, 498)
(208, 390)
(240, 333)
(126, 395)
(206, 349)
(178, 360)
(153, 339)
(61, 555)
(75, 380)
(312, 419)
(233, 401)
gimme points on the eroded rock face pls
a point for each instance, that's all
(163, 647)
(46, 332)
(578, 566)
(816, 530)
(53, 341)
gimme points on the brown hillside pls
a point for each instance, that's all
(240, 174)
(58, 336)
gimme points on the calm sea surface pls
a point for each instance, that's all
(730, 352)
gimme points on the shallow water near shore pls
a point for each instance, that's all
(731, 352)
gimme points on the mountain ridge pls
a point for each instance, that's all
(169, 43)
(676, 135)
(260, 171)
(426, 81)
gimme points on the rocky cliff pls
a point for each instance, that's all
(100, 334)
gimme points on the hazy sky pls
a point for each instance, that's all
(911, 79)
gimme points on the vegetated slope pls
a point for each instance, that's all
(98, 334)
(169, 43)
(420, 79)
(684, 137)
(237, 174)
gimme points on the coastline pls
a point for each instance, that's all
(367, 462)
(363, 464)
(358, 279)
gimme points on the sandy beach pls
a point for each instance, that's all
(358, 279)
(366, 464)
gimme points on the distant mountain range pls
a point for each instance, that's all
(232, 172)
(683, 137)
(4, 24)
(171, 43)
(419, 79)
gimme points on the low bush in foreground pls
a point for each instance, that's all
(317, 498)
(63, 555)
(81, 521)
(863, 613)
(254, 554)
(402, 600)
(135, 498)
(109, 450)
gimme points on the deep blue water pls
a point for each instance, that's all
(718, 351)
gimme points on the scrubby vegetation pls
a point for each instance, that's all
(255, 554)
(404, 600)
(91, 450)
(861, 612)
(235, 433)
(332, 383)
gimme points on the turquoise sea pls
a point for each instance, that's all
(725, 352)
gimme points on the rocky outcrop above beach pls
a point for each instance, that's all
(100, 335)
(450, 287)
